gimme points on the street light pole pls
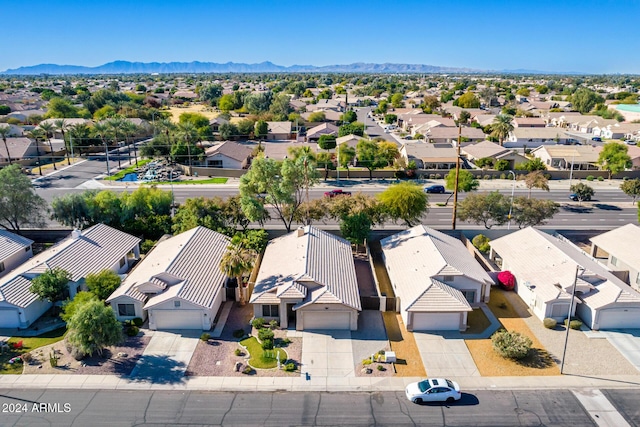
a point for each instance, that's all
(513, 187)
(455, 187)
(571, 173)
(566, 338)
(173, 200)
(106, 151)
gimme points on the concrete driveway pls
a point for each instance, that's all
(166, 357)
(627, 342)
(445, 355)
(327, 354)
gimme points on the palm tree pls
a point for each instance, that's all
(502, 126)
(236, 262)
(115, 124)
(4, 132)
(80, 132)
(61, 125)
(37, 134)
(130, 129)
(48, 129)
(189, 133)
(101, 130)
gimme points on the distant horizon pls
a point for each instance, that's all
(548, 36)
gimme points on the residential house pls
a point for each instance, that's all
(617, 249)
(547, 268)
(529, 122)
(24, 115)
(314, 133)
(485, 119)
(429, 156)
(68, 123)
(351, 140)
(332, 116)
(435, 277)
(307, 278)
(561, 119)
(21, 149)
(533, 137)
(13, 130)
(562, 157)
(216, 122)
(280, 150)
(279, 131)
(14, 250)
(84, 252)
(617, 130)
(228, 155)
(488, 149)
(179, 284)
(442, 134)
(455, 111)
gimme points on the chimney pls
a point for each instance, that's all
(75, 234)
(301, 231)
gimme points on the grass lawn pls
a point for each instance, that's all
(28, 344)
(260, 358)
(538, 363)
(477, 322)
(125, 171)
(192, 182)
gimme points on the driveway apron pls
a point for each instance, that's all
(445, 357)
(627, 342)
(167, 356)
(327, 354)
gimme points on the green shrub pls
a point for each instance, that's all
(273, 324)
(205, 336)
(486, 177)
(258, 322)
(481, 242)
(290, 367)
(511, 345)
(366, 362)
(265, 334)
(549, 323)
(238, 333)
(590, 178)
(438, 176)
(132, 331)
(547, 175)
(247, 370)
(238, 352)
(286, 341)
(137, 321)
(267, 344)
(381, 368)
(146, 246)
(432, 176)
(574, 323)
(600, 178)
(503, 176)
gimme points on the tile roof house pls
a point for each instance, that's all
(228, 155)
(307, 278)
(534, 137)
(546, 268)
(443, 134)
(14, 250)
(84, 252)
(435, 277)
(315, 132)
(429, 156)
(279, 130)
(21, 148)
(488, 149)
(582, 157)
(179, 284)
(620, 247)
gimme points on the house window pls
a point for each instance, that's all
(126, 310)
(27, 249)
(447, 278)
(270, 310)
(215, 163)
(614, 260)
(123, 261)
(470, 296)
(176, 303)
(1, 267)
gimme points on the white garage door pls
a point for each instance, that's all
(177, 319)
(436, 321)
(619, 318)
(9, 318)
(326, 320)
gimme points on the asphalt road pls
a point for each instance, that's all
(371, 126)
(153, 408)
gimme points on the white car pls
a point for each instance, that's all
(433, 390)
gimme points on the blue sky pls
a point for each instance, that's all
(563, 35)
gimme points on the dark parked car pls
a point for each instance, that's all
(596, 138)
(434, 189)
(574, 197)
(338, 192)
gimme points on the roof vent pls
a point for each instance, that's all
(75, 234)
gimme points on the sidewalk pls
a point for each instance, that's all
(295, 383)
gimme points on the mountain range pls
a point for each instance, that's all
(126, 67)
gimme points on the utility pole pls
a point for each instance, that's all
(455, 188)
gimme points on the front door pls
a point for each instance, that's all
(291, 317)
(230, 289)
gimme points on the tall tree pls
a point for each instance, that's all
(536, 179)
(47, 128)
(466, 182)
(37, 134)
(582, 191)
(236, 262)
(583, 100)
(405, 201)
(61, 126)
(19, 203)
(52, 285)
(356, 228)
(367, 154)
(501, 127)
(103, 283)
(488, 209)
(614, 158)
(529, 212)
(129, 129)
(93, 327)
(4, 132)
(346, 154)
(261, 129)
(115, 124)
(631, 188)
